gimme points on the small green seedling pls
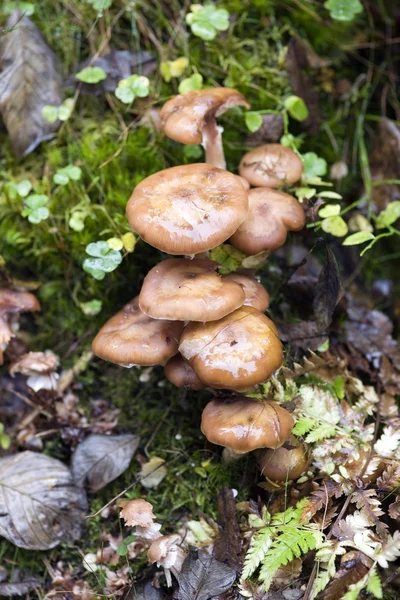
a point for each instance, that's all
(194, 82)
(91, 75)
(135, 86)
(343, 10)
(66, 174)
(102, 259)
(35, 208)
(206, 21)
(58, 113)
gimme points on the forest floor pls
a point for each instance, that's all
(334, 530)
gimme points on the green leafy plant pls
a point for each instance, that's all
(132, 87)
(253, 121)
(296, 108)
(122, 549)
(21, 189)
(173, 68)
(332, 222)
(67, 174)
(100, 5)
(102, 259)
(283, 538)
(61, 113)
(194, 82)
(35, 208)
(27, 8)
(91, 75)
(206, 21)
(343, 10)
(318, 414)
(91, 308)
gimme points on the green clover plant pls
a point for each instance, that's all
(35, 208)
(102, 259)
(206, 21)
(135, 86)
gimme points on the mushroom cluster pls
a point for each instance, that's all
(209, 330)
(12, 303)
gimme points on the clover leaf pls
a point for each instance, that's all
(77, 220)
(194, 82)
(62, 113)
(389, 215)
(296, 108)
(35, 208)
(253, 121)
(314, 166)
(205, 21)
(100, 5)
(173, 68)
(358, 238)
(343, 10)
(91, 75)
(91, 308)
(102, 259)
(332, 221)
(67, 174)
(132, 87)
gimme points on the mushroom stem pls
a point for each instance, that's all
(229, 455)
(212, 144)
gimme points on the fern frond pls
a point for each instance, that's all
(374, 585)
(390, 478)
(326, 558)
(390, 550)
(304, 425)
(322, 432)
(290, 516)
(259, 546)
(291, 544)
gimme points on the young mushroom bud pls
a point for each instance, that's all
(187, 209)
(283, 464)
(166, 552)
(181, 374)
(191, 119)
(243, 425)
(237, 352)
(271, 215)
(189, 290)
(271, 165)
(39, 367)
(132, 338)
(255, 293)
(12, 303)
(139, 514)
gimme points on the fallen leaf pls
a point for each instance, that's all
(40, 506)
(19, 588)
(145, 591)
(228, 547)
(270, 131)
(102, 458)
(28, 81)
(153, 472)
(203, 577)
(328, 291)
(297, 61)
(117, 65)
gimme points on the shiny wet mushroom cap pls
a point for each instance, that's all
(246, 424)
(271, 165)
(237, 352)
(187, 209)
(132, 338)
(271, 215)
(255, 293)
(191, 119)
(189, 290)
(283, 464)
(181, 374)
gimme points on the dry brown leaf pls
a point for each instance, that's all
(28, 81)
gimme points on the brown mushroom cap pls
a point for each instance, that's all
(32, 363)
(283, 464)
(237, 352)
(12, 301)
(159, 549)
(246, 424)
(181, 374)
(138, 512)
(244, 182)
(188, 290)
(184, 117)
(271, 215)
(187, 209)
(255, 293)
(132, 338)
(271, 165)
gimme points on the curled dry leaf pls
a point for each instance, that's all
(19, 588)
(203, 577)
(100, 459)
(28, 81)
(40, 506)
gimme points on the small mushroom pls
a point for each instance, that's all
(189, 290)
(132, 338)
(11, 303)
(237, 352)
(283, 464)
(271, 215)
(40, 369)
(255, 293)
(187, 209)
(191, 119)
(271, 165)
(167, 553)
(243, 425)
(139, 514)
(181, 374)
